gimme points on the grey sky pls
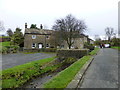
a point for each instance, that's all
(98, 14)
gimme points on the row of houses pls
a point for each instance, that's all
(40, 38)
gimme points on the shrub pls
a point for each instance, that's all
(90, 47)
(10, 49)
(4, 50)
(75, 53)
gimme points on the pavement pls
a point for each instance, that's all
(11, 60)
(103, 71)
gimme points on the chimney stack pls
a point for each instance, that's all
(25, 25)
(41, 27)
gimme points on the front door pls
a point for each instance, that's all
(39, 46)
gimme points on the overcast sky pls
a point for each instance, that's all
(97, 14)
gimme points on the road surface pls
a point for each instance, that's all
(103, 71)
(10, 60)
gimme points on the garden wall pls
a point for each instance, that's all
(75, 53)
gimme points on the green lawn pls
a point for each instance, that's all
(5, 43)
(4, 36)
(116, 47)
(18, 75)
(2, 46)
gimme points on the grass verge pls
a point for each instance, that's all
(18, 75)
(65, 77)
(115, 47)
(94, 51)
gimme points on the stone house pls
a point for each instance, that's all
(36, 38)
(40, 38)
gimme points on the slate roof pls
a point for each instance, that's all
(37, 31)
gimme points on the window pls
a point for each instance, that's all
(33, 45)
(47, 45)
(33, 36)
(62, 46)
(47, 37)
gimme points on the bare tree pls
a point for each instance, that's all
(109, 32)
(70, 28)
(9, 32)
(55, 39)
(2, 28)
(97, 38)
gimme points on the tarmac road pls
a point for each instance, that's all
(10, 60)
(103, 71)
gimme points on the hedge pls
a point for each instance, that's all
(75, 53)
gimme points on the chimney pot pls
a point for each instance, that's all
(41, 27)
(25, 25)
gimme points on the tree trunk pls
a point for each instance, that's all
(69, 46)
(108, 38)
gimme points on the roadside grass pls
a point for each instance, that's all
(18, 75)
(62, 79)
(116, 47)
(94, 51)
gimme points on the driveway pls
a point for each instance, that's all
(103, 72)
(11, 60)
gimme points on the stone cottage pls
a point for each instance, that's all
(36, 38)
(40, 38)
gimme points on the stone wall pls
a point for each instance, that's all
(76, 53)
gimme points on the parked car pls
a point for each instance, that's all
(107, 45)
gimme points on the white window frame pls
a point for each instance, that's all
(33, 46)
(33, 36)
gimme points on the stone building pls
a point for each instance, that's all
(40, 38)
(36, 38)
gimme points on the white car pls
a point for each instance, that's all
(107, 45)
